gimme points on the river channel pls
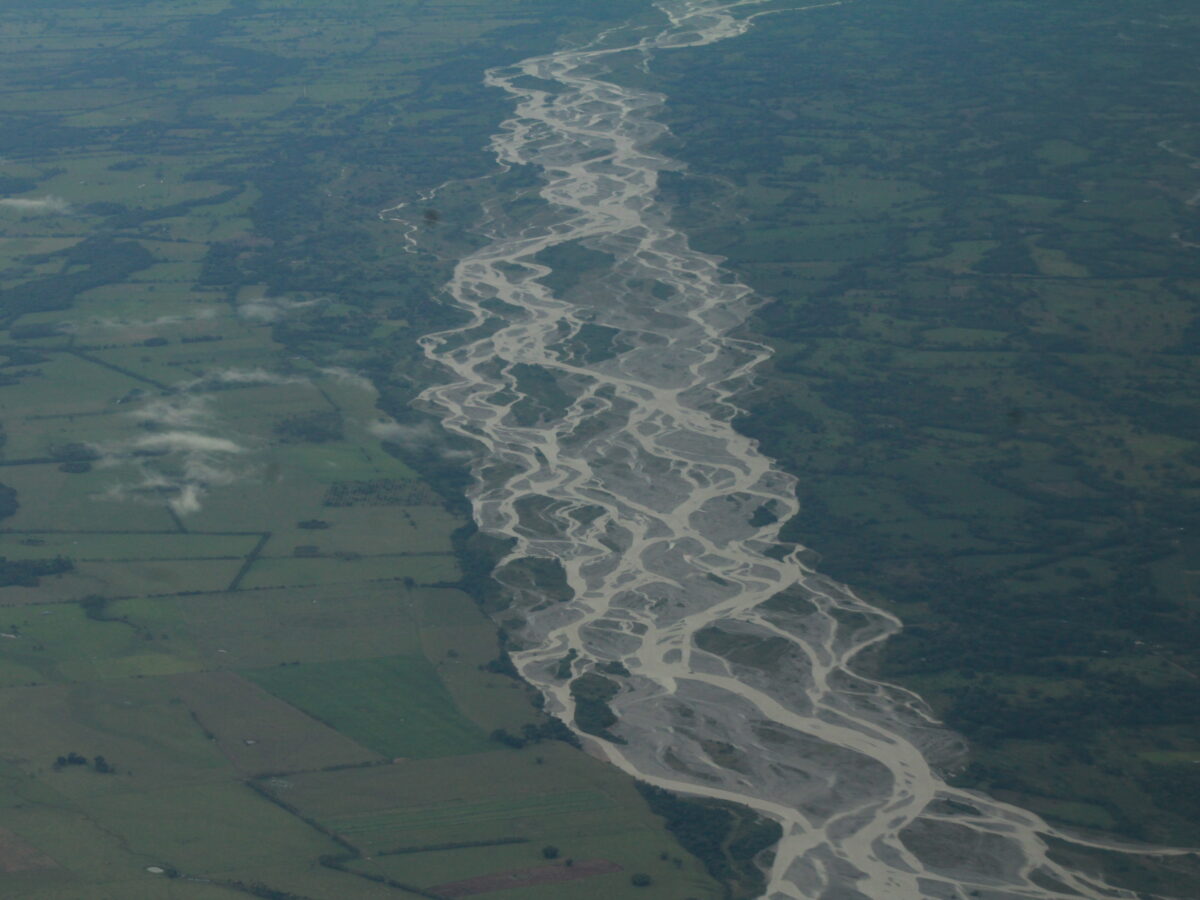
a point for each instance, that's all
(602, 395)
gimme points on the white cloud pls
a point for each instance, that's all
(406, 435)
(196, 463)
(415, 437)
(176, 412)
(271, 309)
(204, 472)
(186, 442)
(205, 312)
(345, 376)
(186, 501)
(48, 205)
(239, 376)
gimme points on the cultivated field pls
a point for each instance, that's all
(236, 657)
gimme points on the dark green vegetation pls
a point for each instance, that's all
(977, 221)
(591, 693)
(238, 655)
(726, 837)
(28, 572)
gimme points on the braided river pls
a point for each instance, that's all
(602, 395)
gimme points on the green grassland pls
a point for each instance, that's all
(84, 546)
(440, 867)
(238, 629)
(269, 572)
(397, 706)
(393, 812)
(257, 732)
(974, 222)
(232, 622)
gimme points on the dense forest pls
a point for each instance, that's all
(967, 219)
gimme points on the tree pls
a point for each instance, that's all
(550, 852)
(501, 735)
(641, 879)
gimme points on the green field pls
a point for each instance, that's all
(395, 706)
(439, 867)
(508, 804)
(496, 815)
(220, 571)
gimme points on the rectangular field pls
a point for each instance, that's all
(497, 815)
(267, 627)
(397, 705)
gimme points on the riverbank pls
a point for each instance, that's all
(983, 336)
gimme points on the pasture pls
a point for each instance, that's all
(397, 706)
(546, 795)
(208, 336)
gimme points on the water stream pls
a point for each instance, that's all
(604, 410)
